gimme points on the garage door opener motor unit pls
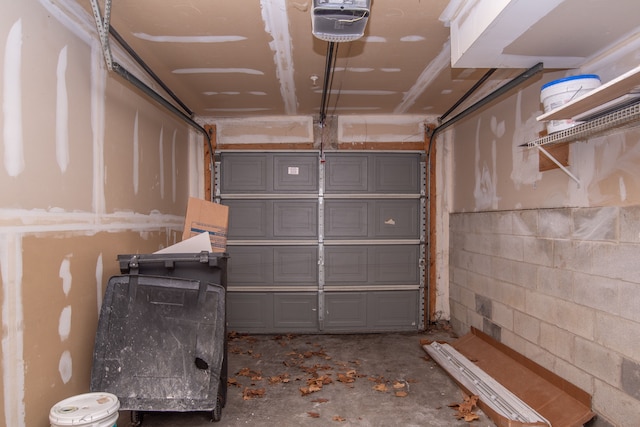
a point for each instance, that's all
(339, 20)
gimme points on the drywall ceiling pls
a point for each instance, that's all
(259, 58)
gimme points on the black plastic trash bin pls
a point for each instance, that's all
(161, 339)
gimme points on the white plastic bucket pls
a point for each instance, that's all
(558, 92)
(86, 410)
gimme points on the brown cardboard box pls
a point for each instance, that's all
(203, 215)
(560, 402)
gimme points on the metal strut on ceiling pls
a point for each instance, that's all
(329, 66)
(103, 26)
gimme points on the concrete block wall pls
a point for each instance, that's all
(562, 287)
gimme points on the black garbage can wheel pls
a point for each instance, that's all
(216, 414)
(136, 418)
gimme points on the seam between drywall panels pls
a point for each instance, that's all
(13, 369)
(274, 14)
(428, 75)
(98, 84)
(41, 221)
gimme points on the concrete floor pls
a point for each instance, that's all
(359, 373)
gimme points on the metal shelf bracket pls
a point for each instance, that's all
(560, 165)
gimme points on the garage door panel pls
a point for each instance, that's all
(295, 173)
(295, 219)
(250, 265)
(346, 218)
(397, 174)
(250, 311)
(347, 173)
(328, 246)
(249, 219)
(396, 219)
(395, 265)
(345, 264)
(396, 310)
(296, 312)
(244, 173)
(345, 311)
(297, 265)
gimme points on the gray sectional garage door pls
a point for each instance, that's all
(323, 246)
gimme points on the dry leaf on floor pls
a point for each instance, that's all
(250, 393)
(277, 379)
(380, 387)
(347, 377)
(401, 394)
(313, 414)
(338, 418)
(398, 385)
(465, 409)
(378, 380)
(233, 382)
(304, 391)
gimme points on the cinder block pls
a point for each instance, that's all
(454, 292)
(615, 405)
(554, 223)
(575, 318)
(480, 263)
(467, 298)
(507, 294)
(491, 329)
(525, 274)
(502, 315)
(595, 223)
(502, 269)
(483, 306)
(458, 311)
(481, 222)
(557, 341)
(458, 276)
(526, 326)
(556, 282)
(503, 222)
(630, 224)
(613, 260)
(629, 301)
(575, 256)
(599, 361)
(525, 223)
(630, 378)
(508, 246)
(538, 251)
(477, 243)
(574, 375)
(456, 222)
(458, 326)
(479, 284)
(474, 319)
(618, 334)
(513, 341)
(539, 355)
(540, 306)
(597, 292)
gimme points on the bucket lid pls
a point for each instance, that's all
(87, 408)
(567, 79)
